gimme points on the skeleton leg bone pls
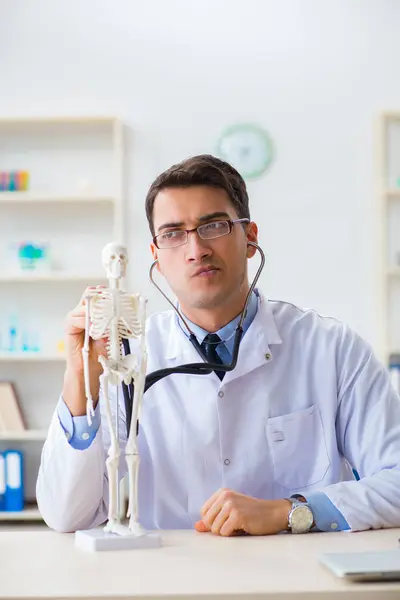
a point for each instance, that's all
(132, 452)
(112, 461)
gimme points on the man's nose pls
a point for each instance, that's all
(196, 248)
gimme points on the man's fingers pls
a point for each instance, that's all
(101, 347)
(90, 288)
(79, 311)
(230, 526)
(77, 319)
(221, 518)
(213, 511)
(75, 324)
(201, 527)
(207, 505)
(82, 301)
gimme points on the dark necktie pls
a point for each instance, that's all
(209, 347)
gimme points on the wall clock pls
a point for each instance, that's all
(246, 147)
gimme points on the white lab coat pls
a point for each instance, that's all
(306, 401)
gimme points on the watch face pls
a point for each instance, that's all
(301, 519)
(246, 147)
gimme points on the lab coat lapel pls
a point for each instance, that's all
(256, 348)
(179, 350)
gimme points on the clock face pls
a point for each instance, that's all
(246, 147)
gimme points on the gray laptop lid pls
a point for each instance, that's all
(378, 565)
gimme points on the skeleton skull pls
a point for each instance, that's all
(115, 259)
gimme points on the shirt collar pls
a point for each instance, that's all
(226, 333)
(264, 334)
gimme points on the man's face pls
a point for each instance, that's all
(202, 273)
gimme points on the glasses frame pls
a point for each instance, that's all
(230, 222)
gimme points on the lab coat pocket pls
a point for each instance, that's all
(298, 448)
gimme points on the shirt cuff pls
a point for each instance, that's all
(326, 516)
(77, 430)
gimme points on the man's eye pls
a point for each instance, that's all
(170, 235)
(215, 225)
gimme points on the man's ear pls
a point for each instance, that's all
(252, 236)
(154, 251)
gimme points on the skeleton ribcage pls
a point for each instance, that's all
(115, 317)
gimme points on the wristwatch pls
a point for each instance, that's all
(301, 518)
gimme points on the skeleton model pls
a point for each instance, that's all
(113, 314)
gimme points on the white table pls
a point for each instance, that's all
(190, 565)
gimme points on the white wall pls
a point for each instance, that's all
(314, 73)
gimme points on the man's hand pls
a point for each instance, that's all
(74, 392)
(229, 513)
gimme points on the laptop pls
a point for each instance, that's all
(381, 565)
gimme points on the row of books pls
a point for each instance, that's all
(11, 461)
(11, 418)
(11, 481)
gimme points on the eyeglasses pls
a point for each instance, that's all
(208, 231)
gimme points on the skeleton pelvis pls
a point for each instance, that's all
(120, 371)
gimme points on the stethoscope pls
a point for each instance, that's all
(201, 368)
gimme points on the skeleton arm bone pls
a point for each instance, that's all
(85, 353)
(90, 300)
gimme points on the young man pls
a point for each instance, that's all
(267, 447)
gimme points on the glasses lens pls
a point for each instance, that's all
(171, 239)
(213, 229)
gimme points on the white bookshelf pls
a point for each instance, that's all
(393, 272)
(30, 357)
(389, 234)
(53, 277)
(30, 513)
(74, 202)
(392, 194)
(27, 197)
(29, 435)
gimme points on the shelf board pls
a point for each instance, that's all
(393, 271)
(389, 353)
(30, 513)
(57, 120)
(28, 197)
(393, 194)
(38, 435)
(51, 277)
(30, 357)
(391, 115)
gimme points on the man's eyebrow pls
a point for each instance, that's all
(208, 217)
(170, 225)
(214, 215)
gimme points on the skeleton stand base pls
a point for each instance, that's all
(98, 540)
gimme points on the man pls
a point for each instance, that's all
(267, 447)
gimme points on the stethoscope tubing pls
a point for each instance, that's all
(200, 368)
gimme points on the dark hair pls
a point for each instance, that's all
(203, 169)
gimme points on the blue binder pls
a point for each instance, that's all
(2, 481)
(14, 462)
